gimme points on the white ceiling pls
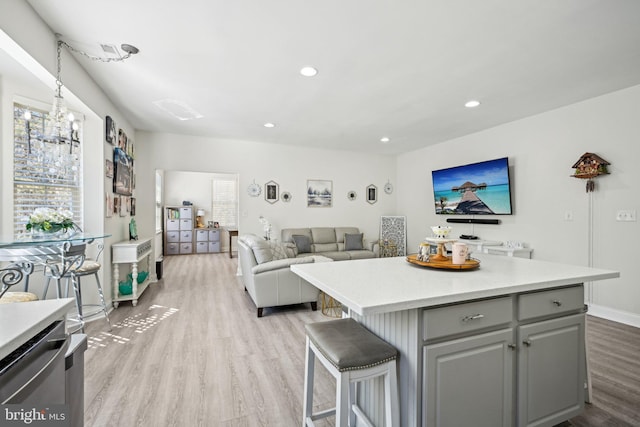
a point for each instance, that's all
(396, 68)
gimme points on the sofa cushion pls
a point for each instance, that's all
(341, 231)
(288, 232)
(337, 255)
(363, 254)
(353, 242)
(278, 250)
(260, 247)
(280, 263)
(290, 249)
(303, 243)
(325, 247)
(323, 235)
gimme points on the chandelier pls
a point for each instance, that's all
(60, 124)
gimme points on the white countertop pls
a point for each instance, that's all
(20, 321)
(383, 285)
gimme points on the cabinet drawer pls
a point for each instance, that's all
(173, 236)
(549, 302)
(186, 236)
(214, 235)
(186, 224)
(186, 212)
(202, 247)
(202, 235)
(173, 249)
(173, 224)
(186, 248)
(467, 317)
(214, 246)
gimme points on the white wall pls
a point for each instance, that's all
(541, 151)
(290, 167)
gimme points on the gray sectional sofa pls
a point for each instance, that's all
(337, 243)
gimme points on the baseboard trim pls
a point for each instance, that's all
(614, 315)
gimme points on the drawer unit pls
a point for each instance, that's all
(467, 317)
(202, 235)
(214, 246)
(178, 230)
(550, 302)
(172, 249)
(214, 235)
(202, 247)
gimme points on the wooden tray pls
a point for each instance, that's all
(469, 264)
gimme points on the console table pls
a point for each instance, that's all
(130, 252)
(232, 232)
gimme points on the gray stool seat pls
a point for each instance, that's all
(352, 354)
(348, 345)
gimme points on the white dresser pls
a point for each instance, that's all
(130, 252)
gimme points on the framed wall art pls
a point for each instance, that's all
(271, 192)
(372, 194)
(319, 193)
(123, 173)
(108, 168)
(110, 130)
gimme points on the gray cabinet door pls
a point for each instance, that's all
(551, 371)
(469, 381)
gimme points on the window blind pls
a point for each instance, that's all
(46, 174)
(225, 201)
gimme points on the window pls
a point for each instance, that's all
(225, 200)
(46, 174)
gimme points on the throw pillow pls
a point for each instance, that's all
(277, 250)
(303, 243)
(260, 247)
(353, 242)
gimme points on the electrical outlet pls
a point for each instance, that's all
(626, 215)
(568, 216)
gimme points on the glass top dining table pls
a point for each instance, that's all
(57, 253)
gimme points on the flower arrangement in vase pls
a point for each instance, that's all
(47, 220)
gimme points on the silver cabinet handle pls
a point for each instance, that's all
(557, 303)
(526, 342)
(472, 317)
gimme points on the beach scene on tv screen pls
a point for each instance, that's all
(475, 189)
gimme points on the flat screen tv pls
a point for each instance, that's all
(476, 189)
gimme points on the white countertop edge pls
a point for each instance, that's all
(418, 301)
(22, 320)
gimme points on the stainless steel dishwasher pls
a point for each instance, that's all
(34, 373)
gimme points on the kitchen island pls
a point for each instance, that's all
(474, 345)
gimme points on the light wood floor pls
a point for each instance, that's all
(193, 353)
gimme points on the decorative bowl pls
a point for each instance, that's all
(125, 288)
(440, 232)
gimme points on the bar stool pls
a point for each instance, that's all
(351, 354)
(87, 268)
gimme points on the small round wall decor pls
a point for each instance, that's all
(286, 196)
(352, 195)
(254, 189)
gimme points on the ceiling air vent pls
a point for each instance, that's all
(178, 109)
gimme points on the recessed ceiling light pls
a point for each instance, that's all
(472, 104)
(269, 125)
(308, 71)
(384, 139)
